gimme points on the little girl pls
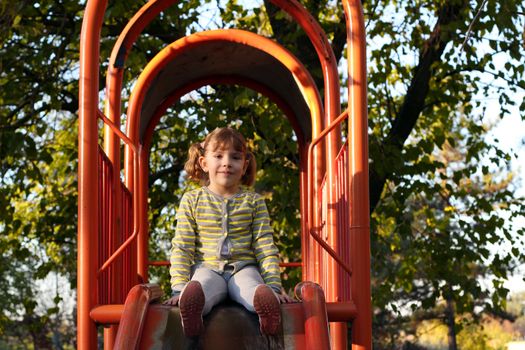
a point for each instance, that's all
(223, 239)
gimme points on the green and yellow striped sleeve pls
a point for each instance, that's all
(183, 245)
(266, 252)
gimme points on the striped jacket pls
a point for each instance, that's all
(213, 231)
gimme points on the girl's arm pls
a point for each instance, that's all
(264, 247)
(183, 246)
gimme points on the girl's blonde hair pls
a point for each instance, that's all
(219, 138)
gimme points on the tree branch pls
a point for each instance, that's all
(418, 90)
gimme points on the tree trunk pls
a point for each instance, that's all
(451, 324)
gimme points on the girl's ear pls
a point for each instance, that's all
(202, 163)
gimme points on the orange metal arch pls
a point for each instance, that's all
(300, 74)
(225, 80)
(324, 52)
(153, 7)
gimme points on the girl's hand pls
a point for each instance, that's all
(173, 301)
(284, 298)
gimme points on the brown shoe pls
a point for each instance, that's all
(191, 304)
(268, 308)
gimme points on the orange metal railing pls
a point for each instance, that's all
(315, 232)
(105, 186)
(341, 206)
(108, 292)
(324, 228)
(117, 250)
(129, 256)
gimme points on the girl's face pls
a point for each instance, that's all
(225, 167)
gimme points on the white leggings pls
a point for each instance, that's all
(240, 287)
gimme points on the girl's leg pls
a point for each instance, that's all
(248, 289)
(213, 285)
(191, 303)
(242, 285)
(206, 289)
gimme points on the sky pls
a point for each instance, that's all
(510, 131)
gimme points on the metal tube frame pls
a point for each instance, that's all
(359, 212)
(136, 166)
(87, 183)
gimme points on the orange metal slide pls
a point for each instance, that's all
(146, 324)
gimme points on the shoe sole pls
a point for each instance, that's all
(191, 305)
(268, 308)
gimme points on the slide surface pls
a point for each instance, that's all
(229, 326)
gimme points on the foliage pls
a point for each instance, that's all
(443, 189)
(487, 335)
(437, 231)
(441, 193)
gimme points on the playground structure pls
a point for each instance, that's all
(113, 229)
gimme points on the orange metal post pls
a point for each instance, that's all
(358, 150)
(332, 110)
(315, 316)
(143, 236)
(303, 190)
(112, 150)
(113, 106)
(87, 173)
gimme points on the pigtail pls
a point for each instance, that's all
(248, 179)
(192, 167)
